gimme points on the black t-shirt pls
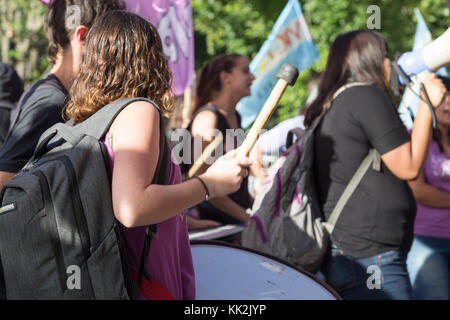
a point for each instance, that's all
(39, 108)
(379, 215)
(11, 88)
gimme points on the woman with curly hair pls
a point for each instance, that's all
(123, 58)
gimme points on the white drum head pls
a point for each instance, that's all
(228, 272)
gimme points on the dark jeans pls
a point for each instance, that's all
(381, 277)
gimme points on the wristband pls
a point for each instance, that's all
(204, 186)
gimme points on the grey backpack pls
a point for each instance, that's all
(59, 238)
(286, 219)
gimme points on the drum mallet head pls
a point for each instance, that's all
(287, 75)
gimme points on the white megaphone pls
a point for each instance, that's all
(412, 67)
(431, 57)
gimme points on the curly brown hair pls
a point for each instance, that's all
(123, 58)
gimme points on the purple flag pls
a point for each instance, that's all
(173, 19)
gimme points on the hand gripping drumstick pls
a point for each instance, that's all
(287, 75)
(205, 154)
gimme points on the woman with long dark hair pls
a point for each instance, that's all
(371, 239)
(123, 58)
(224, 81)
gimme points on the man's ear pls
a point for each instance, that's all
(81, 33)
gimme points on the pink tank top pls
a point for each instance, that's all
(170, 260)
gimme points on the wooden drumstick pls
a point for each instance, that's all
(205, 154)
(287, 75)
(187, 107)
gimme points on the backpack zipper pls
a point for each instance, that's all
(80, 217)
(52, 229)
(78, 207)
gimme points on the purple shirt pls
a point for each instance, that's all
(435, 222)
(170, 260)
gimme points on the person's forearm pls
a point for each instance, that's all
(430, 196)
(157, 202)
(230, 207)
(407, 160)
(420, 138)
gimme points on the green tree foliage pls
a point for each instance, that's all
(252, 20)
(227, 26)
(22, 39)
(239, 26)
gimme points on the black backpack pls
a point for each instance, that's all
(59, 238)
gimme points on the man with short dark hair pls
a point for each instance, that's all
(66, 25)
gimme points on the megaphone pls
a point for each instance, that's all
(431, 57)
(411, 68)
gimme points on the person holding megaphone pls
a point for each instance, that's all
(372, 237)
(411, 68)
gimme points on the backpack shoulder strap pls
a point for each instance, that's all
(372, 158)
(297, 132)
(335, 95)
(99, 123)
(347, 86)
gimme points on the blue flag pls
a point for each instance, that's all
(288, 42)
(410, 100)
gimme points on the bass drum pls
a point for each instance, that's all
(228, 272)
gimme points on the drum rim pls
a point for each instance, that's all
(301, 270)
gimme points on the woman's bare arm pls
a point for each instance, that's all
(136, 201)
(407, 160)
(429, 195)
